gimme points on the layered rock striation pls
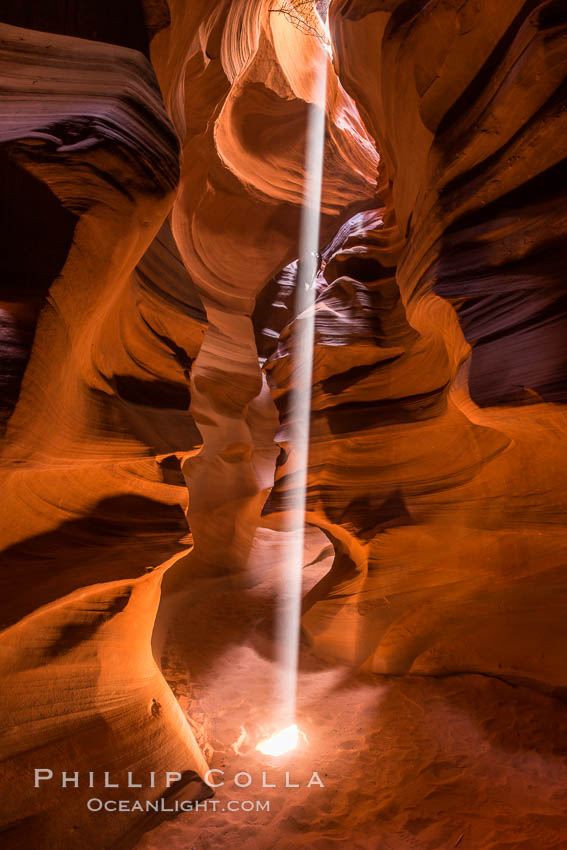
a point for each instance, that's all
(435, 458)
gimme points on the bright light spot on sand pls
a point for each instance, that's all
(280, 743)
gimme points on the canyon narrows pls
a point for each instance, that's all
(157, 373)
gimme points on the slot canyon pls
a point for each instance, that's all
(153, 172)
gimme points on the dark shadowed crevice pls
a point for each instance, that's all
(35, 238)
(112, 21)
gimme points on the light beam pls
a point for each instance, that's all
(300, 396)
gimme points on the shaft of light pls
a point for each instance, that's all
(300, 394)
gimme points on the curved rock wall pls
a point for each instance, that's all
(92, 494)
(235, 78)
(106, 407)
(436, 462)
(146, 322)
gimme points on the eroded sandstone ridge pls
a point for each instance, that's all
(152, 166)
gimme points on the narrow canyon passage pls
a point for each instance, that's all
(204, 477)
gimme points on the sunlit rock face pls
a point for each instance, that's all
(100, 325)
(138, 218)
(436, 464)
(152, 165)
(236, 79)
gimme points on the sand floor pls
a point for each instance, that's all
(422, 763)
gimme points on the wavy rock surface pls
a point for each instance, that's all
(435, 458)
(91, 485)
(146, 324)
(98, 426)
(236, 78)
